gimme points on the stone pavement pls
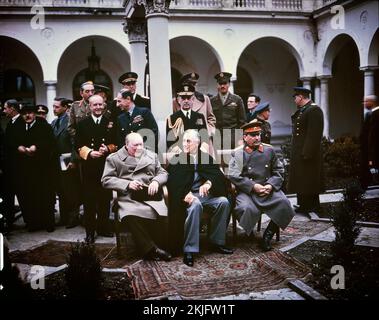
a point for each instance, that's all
(20, 239)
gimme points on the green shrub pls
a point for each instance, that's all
(83, 274)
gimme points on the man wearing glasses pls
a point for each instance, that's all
(305, 177)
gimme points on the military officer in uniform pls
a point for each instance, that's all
(262, 114)
(129, 82)
(80, 109)
(229, 111)
(42, 111)
(305, 177)
(184, 119)
(255, 171)
(134, 119)
(201, 103)
(95, 139)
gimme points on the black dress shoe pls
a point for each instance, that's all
(271, 229)
(221, 249)
(157, 254)
(107, 234)
(188, 259)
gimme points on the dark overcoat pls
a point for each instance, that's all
(306, 159)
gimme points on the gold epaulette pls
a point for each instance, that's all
(84, 152)
(177, 128)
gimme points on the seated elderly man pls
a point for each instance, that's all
(196, 183)
(255, 171)
(137, 176)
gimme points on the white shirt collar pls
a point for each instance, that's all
(185, 112)
(15, 117)
(31, 125)
(95, 119)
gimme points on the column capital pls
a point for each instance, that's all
(155, 7)
(307, 78)
(136, 29)
(369, 68)
(324, 78)
(50, 83)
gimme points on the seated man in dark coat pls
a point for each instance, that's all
(184, 119)
(195, 183)
(255, 171)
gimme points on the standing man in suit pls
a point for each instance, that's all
(129, 83)
(95, 140)
(373, 138)
(68, 176)
(36, 146)
(135, 119)
(201, 103)
(184, 119)
(137, 176)
(195, 182)
(80, 109)
(252, 102)
(229, 111)
(305, 177)
(255, 171)
(13, 130)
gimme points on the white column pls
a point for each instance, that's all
(51, 93)
(369, 81)
(307, 83)
(159, 65)
(324, 103)
(317, 92)
(136, 29)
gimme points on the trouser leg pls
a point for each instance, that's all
(192, 227)
(140, 231)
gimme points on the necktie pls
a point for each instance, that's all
(28, 125)
(188, 115)
(57, 124)
(97, 121)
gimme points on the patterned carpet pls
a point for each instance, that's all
(215, 275)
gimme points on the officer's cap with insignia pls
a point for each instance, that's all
(302, 91)
(28, 108)
(253, 127)
(126, 93)
(101, 88)
(262, 107)
(185, 90)
(85, 84)
(191, 78)
(128, 77)
(223, 77)
(42, 109)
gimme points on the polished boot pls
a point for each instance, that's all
(271, 229)
(188, 259)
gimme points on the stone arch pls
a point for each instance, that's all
(274, 67)
(202, 58)
(334, 47)
(373, 53)
(16, 55)
(114, 60)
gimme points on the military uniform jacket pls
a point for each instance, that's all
(177, 123)
(121, 168)
(266, 131)
(90, 136)
(260, 167)
(373, 138)
(141, 118)
(306, 159)
(230, 115)
(141, 101)
(201, 104)
(79, 110)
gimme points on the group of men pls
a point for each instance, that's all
(93, 147)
